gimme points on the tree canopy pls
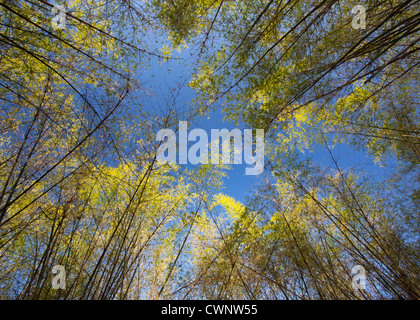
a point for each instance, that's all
(81, 186)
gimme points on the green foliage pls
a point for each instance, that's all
(80, 185)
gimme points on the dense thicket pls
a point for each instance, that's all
(80, 185)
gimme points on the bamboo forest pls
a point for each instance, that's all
(209, 150)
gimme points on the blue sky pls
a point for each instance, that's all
(164, 78)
